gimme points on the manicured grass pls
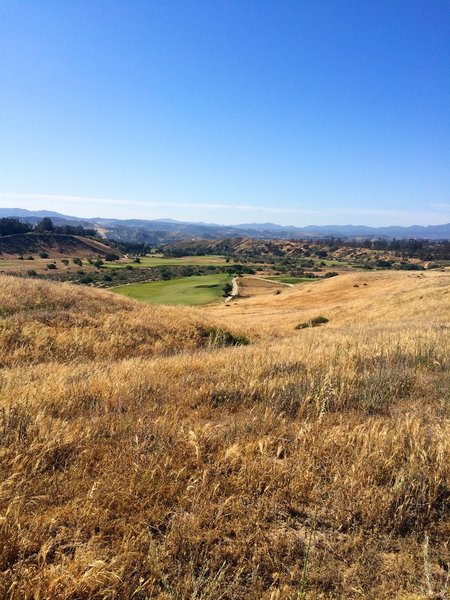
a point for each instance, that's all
(159, 261)
(336, 263)
(200, 289)
(293, 280)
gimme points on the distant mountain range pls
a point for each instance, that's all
(159, 231)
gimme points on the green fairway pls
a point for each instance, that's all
(186, 290)
(293, 280)
(159, 261)
(336, 263)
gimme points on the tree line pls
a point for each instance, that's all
(405, 248)
(12, 226)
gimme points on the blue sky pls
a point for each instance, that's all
(227, 111)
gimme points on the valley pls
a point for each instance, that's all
(233, 418)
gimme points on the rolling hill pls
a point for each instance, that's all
(392, 299)
(142, 458)
(55, 245)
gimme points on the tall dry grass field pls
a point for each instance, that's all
(139, 460)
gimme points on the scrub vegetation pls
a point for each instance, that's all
(178, 453)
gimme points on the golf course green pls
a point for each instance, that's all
(192, 291)
(160, 261)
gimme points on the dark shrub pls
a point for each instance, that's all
(86, 279)
(217, 337)
(316, 322)
(227, 289)
(111, 257)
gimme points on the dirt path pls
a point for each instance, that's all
(275, 282)
(234, 291)
(235, 283)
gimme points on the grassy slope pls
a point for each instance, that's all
(50, 322)
(56, 245)
(208, 474)
(186, 290)
(397, 299)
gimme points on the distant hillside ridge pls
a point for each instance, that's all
(55, 244)
(156, 231)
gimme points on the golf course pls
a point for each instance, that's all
(192, 291)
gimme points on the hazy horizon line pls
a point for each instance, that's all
(441, 218)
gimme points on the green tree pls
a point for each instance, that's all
(10, 226)
(227, 289)
(45, 226)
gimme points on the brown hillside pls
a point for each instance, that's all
(290, 248)
(367, 299)
(56, 245)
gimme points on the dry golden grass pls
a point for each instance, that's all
(250, 286)
(42, 321)
(388, 299)
(314, 465)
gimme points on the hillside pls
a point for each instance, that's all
(141, 460)
(354, 253)
(55, 245)
(44, 322)
(373, 299)
(156, 231)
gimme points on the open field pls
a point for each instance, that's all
(144, 456)
(186, 290)
(336, 263)
(250, 286)
(160, 261)
(5, 263)
(40, 265)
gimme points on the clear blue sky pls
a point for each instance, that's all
(227, 111)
